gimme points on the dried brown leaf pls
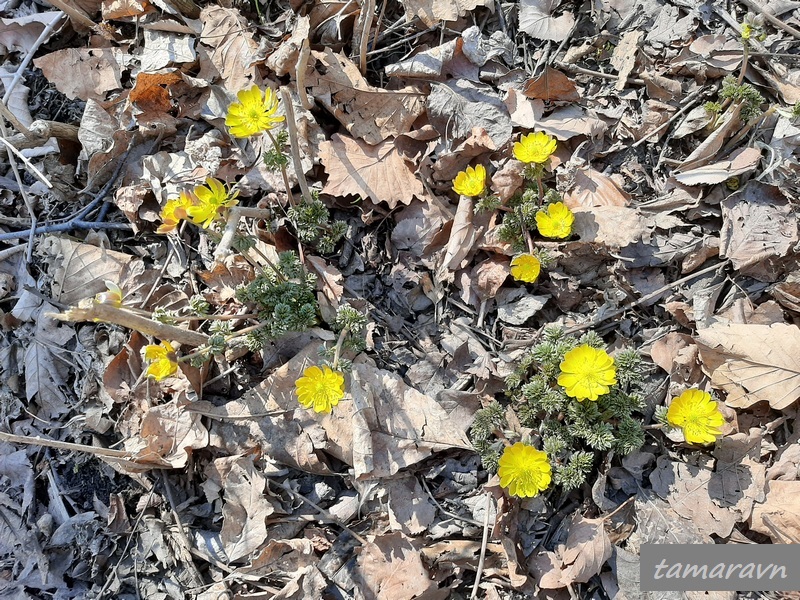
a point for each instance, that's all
(685, 487)
(390, 568)
(758, 224)
(614, 226)
(82, 268)
(587, 550)
(623, 58)
(552, 86)
(230, 46)
(84, 73)
(433, 12)
(753, 363)
(245, 508)
(368, 113)
(592, 188)
(779, 515)
(537, 20)
(379, 173)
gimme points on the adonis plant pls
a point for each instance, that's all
(578, 401)
(282, 296)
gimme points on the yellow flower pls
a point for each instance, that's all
(175, 210)
(211, 198)
(534, 148)
(320, 389)
(556, 221)
(254, 113)
(113, 297)
(524, 470)
(526, 267)
(471, 182)
(747, 31)
(587, 373)
(698, 415)
(162, 359)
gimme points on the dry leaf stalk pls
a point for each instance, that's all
(89, 310)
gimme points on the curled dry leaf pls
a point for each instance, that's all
(741, 161)
(463, 236)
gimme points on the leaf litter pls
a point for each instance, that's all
(215, 480)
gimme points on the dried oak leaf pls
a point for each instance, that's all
(587, 550)
(390, 568)
(368, 113)
(686, 487)
(231, 47)
(758, 223)
(379, 172)
(552, 86)
(83, 73)
(245, 508)
(456, 107)
(779, 515)
(753, 363)
(537, 20)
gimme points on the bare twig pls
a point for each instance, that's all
(367, 14)
(31, 167)
(582, 71)
(323, 513)
(644, 299)
(484, 542)
(89, 310)
(687, 104)
(294, 143)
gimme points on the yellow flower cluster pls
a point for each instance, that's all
(254, 113)
(697, 415)
(201, 206)
(320, 389)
